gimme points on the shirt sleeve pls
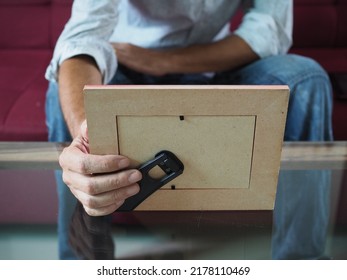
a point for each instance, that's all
(87, 32)
(267, 26)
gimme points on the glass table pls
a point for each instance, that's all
(309, 220)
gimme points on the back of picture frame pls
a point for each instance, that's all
(229, 139)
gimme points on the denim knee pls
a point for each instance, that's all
(310, 104)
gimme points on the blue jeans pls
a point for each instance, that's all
(308, 119)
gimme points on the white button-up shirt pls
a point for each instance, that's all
(158, 24)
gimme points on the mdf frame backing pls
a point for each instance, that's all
(236, 127)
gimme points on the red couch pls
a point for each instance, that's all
(30, 28)
(320, 32)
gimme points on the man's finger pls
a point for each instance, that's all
(103, 211)
(73, 159)
(106, 199)
(94, 185)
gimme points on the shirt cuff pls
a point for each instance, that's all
(103, 53)
(263, 35)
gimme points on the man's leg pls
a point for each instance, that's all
(310, 104)
(58, 132)
(302, 202)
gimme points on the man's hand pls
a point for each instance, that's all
(142, 60)
(226, 54)
(100, 183)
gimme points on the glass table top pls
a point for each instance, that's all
(309, 220)
(302, 226)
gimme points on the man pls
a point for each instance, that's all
(168, 42)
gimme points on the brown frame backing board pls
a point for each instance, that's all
(228, 137)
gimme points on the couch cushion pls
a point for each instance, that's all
(61, 11)
(310, 30)
(333, 60)
(24, 2)
(340, 120)
(25, 26)
(22, 89)
(314, 2)
(320, 23)
(25, 52)
(341, 40)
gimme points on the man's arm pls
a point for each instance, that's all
(226, 54)
(74, 74)
(100, 182)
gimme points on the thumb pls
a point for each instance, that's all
(84, 131)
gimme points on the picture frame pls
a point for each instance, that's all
(229, 139)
